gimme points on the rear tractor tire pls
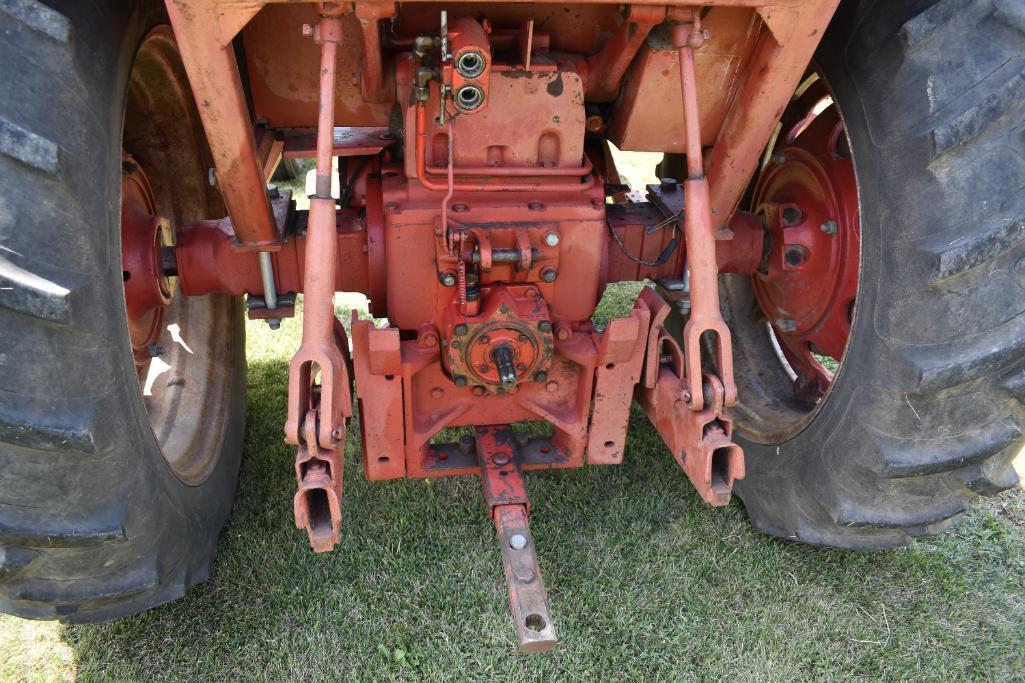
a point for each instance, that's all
(911, 278)
(121, 426)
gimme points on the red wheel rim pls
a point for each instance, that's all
(808, 197)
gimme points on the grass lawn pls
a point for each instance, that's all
(645, 582)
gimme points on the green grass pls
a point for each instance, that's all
(645, 582)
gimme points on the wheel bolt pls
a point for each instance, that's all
(794, 255)
(829, 227)
(791, 215)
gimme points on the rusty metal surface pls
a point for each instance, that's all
(699, 439)
(213, 75)
(346, 141)
(318, 502)
(770, 77)
(505, 493)
(321, 349)
(621, 352)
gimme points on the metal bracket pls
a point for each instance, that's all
(506, 495)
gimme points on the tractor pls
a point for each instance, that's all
(832, 328)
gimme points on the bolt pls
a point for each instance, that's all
(211, 177)
(274, 323)
(460, 208)
(829, 227)
(391, 206)
(501, 459)
(549, 274)
(794, 255)
(778, 158)
(669, 184)
(785, 325)
(485, 367)
(552, 239)
(477, 391)
(791, 215)
(522, 337)
(456, 344)
(272, 191)
(460, 381)
(685, 395)
(155, 350)
(541, 376)
(448, 278)
(459, 330)
(485, 339)
(437, 392)
(517, 541)
(337, 433)
(544, 326)
(552, 387)
(465, 443)
(429, 339)
(536, 206)
(307, 30)
(683, 306)
(520, 367)
(598, 325)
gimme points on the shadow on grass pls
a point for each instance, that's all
(644, 581)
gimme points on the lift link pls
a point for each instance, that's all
(319, 411)
(684, 401)
(506, 495)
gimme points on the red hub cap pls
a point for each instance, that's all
(143, 234)
(808, 197)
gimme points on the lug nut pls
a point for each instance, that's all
(794, 255)
(791, 215)
(829, 227)
(552, 239)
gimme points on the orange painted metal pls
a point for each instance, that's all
(372, 82)
(705, 316)
(318, 502)
(505, 492)
(700, 440)
(378, 374)
(321, 350)
(606, 67)
(209, 58)
(769, 78)
(621, 351)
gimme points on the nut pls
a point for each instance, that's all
(517, 541)
(549, 274)
(552, 239)
(829, 227)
